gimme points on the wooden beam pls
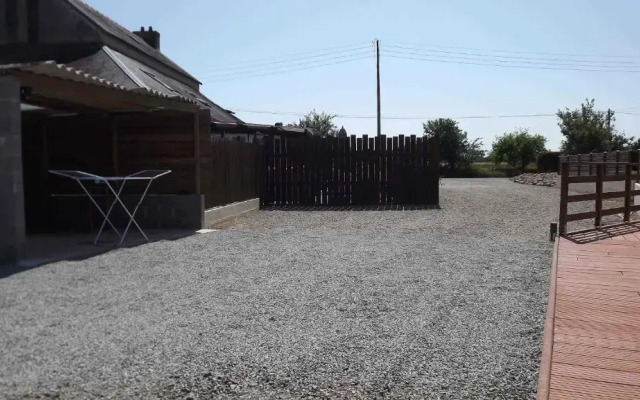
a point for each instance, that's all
(196, 149)
(564, 196)
(114, 144)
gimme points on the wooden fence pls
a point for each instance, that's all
(584, 164)
(602, 175)
(236, 172)
(313, 171)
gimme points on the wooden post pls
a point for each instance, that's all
(114, 144)
(590, 165)
(627, 193)
(579, 165)
(434, 171)
(617, 162)
(599, 180)
(196, 149)
(564, 195)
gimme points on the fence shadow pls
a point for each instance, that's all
(382, 207)
(603, 233)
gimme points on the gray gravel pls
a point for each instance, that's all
(373, 304)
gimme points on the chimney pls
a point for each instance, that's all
(151, 37)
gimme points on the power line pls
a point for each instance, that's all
(499, 58)
(290, 66)
(519, 52)
(487, 64)
(347, 116)
(288, 56)
(254, 66)
(369, 56)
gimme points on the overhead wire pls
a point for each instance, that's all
(515, 59)
(348, 116)
(285, 57)
(287, 61)
(515, 51)
(493, 63)
(354, 57)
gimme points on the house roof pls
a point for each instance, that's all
(243, 127)
(137, 76)
(116, 30)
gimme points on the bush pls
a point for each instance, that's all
(548, 162)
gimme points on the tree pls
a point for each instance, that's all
(455, 148)
(320, 123)
(517, 148)
(588, 130)
(619, 141)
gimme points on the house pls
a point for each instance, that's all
(79, 91)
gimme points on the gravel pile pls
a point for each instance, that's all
(542, 179)
(442, 304)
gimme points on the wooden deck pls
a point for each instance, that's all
(592, 330)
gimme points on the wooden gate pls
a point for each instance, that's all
(314, 171)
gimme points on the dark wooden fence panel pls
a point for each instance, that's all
(236, 173)
(579, 165)
(315, 171)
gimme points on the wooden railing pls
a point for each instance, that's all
(599, 178)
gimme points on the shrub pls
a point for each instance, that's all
(549, 161)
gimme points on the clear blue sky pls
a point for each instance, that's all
(206, 36)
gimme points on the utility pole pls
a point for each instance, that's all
(377, 42)
(609, 115)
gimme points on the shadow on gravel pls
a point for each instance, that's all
(604, 232)
(45, 249)
(351, 208)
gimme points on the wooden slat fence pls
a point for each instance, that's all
(582, 164)
(314, 171)
(236, 172)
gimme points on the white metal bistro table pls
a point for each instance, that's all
(148, 175)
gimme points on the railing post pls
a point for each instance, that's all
(579, 165)
(617, 162)
(599, 180)
(627, 193)
(590, 165)
(564, 195)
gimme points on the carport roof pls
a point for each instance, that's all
(62, 71)
(48, 79)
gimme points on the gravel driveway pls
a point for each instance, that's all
(364, 304)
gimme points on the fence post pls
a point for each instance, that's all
(599, 180)
(434, 171)
(564, 194)
(627, 193)
(617, 162)
(590, 165)
(579, 165)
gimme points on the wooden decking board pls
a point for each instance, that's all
(613, 364)
(595, 326)
(588, 389)
(598, 352)
(598, 342)
(596, 305)
(596, 374)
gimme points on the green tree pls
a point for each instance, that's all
(587, 130)
(320, 123)
(517, 148)
(455, 148)
(619, 141)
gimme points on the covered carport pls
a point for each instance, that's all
(56, 117)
